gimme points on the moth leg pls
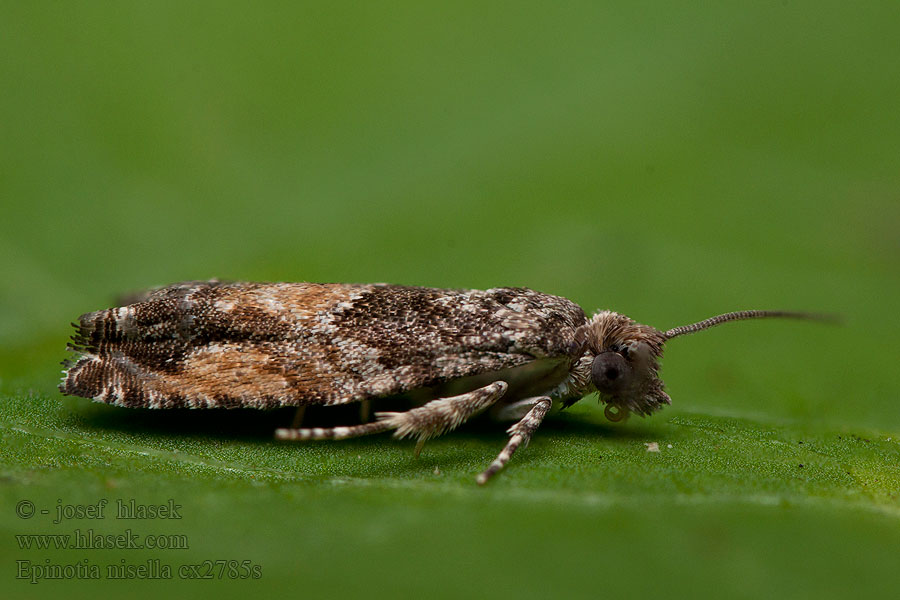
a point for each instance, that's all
(519, 434)
(298, 417)
(331, 433)
(513, 411)
(365, 410)
(441, 415)
(437, 417)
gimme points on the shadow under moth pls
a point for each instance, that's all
(513, 353)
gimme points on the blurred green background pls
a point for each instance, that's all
(663, 160)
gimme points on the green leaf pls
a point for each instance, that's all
(586, 504)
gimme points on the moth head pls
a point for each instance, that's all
(625, 364)
(626, 354)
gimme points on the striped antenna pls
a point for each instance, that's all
(746, 314)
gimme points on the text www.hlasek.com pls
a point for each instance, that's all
(89, 540)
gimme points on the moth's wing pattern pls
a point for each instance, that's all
(213, 344)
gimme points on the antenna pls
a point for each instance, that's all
(747, 314)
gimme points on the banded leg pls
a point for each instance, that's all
(433, 419)
(364, 407)
(519, 434)
(441, 415)
(330, 433)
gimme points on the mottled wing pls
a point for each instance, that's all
(209, 344)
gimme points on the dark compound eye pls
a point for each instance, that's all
(610, 372)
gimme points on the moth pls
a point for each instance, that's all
(514, 353)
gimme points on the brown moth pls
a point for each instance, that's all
(511, 352)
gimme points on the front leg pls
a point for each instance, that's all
(519, 434)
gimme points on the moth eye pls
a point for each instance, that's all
(610, 372)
